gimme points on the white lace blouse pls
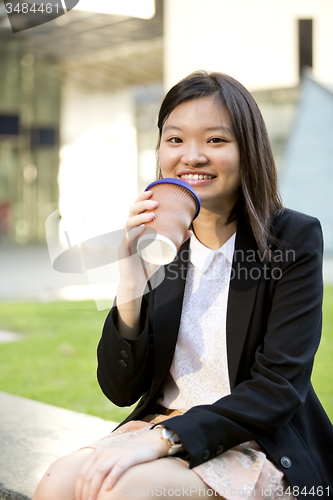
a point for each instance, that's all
(199, 370)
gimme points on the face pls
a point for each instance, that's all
(198, 146)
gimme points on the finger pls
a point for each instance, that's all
(126, 245)
(121, 466)
(88, 478)
(132, 236)
(96, 482)
(145, 195)
(134, 231)
(135, 457)
(80, 478)
(142, 197)
(142, 206)
(102, 469)
(82, 487)
(139, 219)
(188, 235)
(78, 487)
(85, 490)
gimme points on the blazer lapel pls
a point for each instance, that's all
(245, 276)
(168, 301)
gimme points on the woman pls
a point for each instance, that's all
(223, 348)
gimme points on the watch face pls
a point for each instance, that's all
(171, 436)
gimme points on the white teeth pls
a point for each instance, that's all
(196, 176)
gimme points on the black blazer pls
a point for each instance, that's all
(273, 331)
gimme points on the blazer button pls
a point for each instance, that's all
(124, 354)
(285, 462)
(219, 450)
(205, 455)
(122, 362)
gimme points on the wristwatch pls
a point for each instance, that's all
(171, 438)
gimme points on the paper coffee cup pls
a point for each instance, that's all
(178, 206)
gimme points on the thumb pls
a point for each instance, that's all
(188, 235)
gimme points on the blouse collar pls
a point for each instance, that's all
(202, 256)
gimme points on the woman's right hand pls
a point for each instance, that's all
(133, 276)
(134, 272)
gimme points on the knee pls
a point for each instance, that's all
(51, 482)
(142, 480)
(130, 484)
(58, 481)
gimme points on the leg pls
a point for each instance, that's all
(163, 478)
(59, 480)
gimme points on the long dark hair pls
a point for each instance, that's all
(258, 197)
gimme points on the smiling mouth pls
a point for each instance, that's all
(196, 177)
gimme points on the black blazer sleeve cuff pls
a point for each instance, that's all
(122, 363)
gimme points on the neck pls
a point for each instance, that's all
(211, 229)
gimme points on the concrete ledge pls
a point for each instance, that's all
(33, 435)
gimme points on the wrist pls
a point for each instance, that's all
(171, 439)
(132, 294)
(163, 446)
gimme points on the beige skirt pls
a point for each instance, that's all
(240, 473)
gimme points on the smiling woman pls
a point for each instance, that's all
(198, 145)
(220, 354)
(241, 122)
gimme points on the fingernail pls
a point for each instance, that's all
(108, 486)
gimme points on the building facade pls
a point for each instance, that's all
(79, 98)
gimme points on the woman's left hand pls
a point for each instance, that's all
(108, 463)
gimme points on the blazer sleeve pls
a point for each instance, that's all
(280, 375)
(125, 366)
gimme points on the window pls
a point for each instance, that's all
(305, 37)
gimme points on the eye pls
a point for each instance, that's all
(175, 140)
(216, 140)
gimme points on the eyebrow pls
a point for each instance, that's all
(224, 128)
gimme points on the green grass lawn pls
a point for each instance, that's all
(322, 377)
(56, 360)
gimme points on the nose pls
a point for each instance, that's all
(193, 156)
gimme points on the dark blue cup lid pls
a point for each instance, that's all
(179, 182)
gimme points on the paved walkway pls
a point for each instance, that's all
(6, 337)
(33, 435)
(328, 270)
(26, 273)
